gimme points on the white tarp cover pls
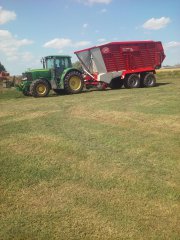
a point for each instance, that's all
(98, 60)
(85, 59)
(92, 60)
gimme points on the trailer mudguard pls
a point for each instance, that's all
(107, 77)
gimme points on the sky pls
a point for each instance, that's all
(32, 29)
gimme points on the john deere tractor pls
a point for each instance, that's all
(57, 74)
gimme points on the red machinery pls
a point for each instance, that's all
(115, 64)
(3, 75)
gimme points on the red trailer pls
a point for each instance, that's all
(115, 64)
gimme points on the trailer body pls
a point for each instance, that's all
(117, 59)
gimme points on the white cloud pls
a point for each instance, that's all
(172, 44)
(5, 34)
(61, 43)
(104, 10)
(91, 2)
(7, 38)
(82, 43)
(23, 42)
(58, 43)
(85, 25)
(101, 40)
(156, 23)
(10, 46)
(6, 16)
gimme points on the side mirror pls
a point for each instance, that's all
(43, 62)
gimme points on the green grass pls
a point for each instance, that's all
(97, 165)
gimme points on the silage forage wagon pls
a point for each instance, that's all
(113, 65)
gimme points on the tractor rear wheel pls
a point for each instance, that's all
(39, 88)
(73, 82)
(116, 83)
(132, 81)
(149, 80)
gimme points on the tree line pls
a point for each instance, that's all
(2, 68)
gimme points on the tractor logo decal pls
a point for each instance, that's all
(105, 50)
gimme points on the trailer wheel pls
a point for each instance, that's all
(73, 82)
(116, 83)
(142, 76)
(39, 88)
(149, 80)
(132, 81)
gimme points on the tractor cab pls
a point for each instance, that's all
(59, 63)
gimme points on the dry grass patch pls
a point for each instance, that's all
(89, 213)
(129, 119)
(22, 143)
(168, 70)
(15, 117)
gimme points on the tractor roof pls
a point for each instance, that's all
(51, 56)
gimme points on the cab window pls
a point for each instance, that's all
(59, 63)
(66, 61)
(50, 63)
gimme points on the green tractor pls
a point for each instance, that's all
(57, 74)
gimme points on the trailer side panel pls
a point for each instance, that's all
(132, 55)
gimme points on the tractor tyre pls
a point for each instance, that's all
(73, 82)
(59, 91)
(132, 81)
(149, 80)
(26, 93)
(116, 83)
(40, 88)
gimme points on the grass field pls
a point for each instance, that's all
(98, 165)
(168, 70)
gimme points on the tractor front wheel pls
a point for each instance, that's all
(39, 88)
(132, 81)
(26, 93)
(73, 82)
